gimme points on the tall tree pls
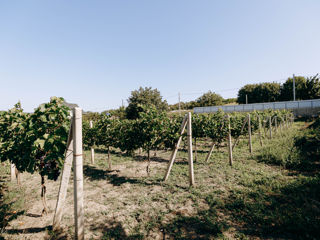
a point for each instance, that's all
(313, 87)
(144, 97)
(257, 93)
(209, 99)
(301, 87)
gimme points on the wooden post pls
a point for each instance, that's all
(78, 174)
(210, 152)
(249, 131)
(92, 149)
(174, 152)
(229, 141)
(275, 124)
(190, 157)
(259, 123)
(109, 159)
(64, 182)
(195, 150)
(270, 129)
(13, 172)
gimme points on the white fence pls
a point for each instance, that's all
(303, 104)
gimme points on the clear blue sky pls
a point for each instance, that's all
(95, 53)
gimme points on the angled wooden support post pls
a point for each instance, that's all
(190, 157)
(78, 174)
(229, 141)
(175, 150)
(210, 152)
(92, 149)
(249, 132)
(242, 128)
(66, 172)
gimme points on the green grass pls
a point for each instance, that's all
(259, 196)
(11, 198)
(269, 194)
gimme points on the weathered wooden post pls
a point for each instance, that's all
(190, 157)
(229, 141)
(92, 149)
(78, 174)
(13, 172)
(275, 123)
(259, 123)
(270, 127)
(109, 158)
(249, 131)
(195, 150)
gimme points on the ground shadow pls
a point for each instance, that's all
(33, 215)
(93, 173)
(204, 225)
(290, 212)
(28, 230)
(114, 230)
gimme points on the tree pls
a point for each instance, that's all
(301, 89)
(313, 87)
(257, 93)
(144, 97)
(209, 99)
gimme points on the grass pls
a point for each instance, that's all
(264, 195)
(11, 199)
(257, 197)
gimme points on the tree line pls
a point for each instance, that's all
(142, 98)
(305, 88)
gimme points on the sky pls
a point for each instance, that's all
(94, 53)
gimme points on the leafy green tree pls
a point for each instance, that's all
(144, 97)
(209, 99)
(257, 93)
(301, 89)
(313, 87)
